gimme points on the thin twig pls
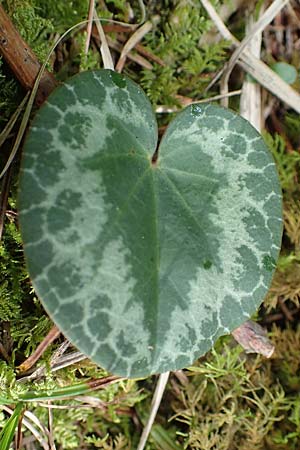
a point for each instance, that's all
(59, 352)
(260, 71)
(7, 177)
(64, 406)
(19, 434)
(93, 402)
(11, 123)
(68, 360)
(259, 26)
(36, 421)
(4, 352)
(5, 185)
(159, 391)
(53, 334)
(143, 51)
(133, 57)
(131, 43)
(100, 383)
(40, 371)
(89, 26)
(168, 109)
(285, 309)
(50, 426)
(60, 363)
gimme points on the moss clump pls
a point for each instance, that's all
(188, 68)
(19, 307)
(231, 401)
(285, 284)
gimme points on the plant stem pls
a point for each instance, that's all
(159, 390)
(21, 59)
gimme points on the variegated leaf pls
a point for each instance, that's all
(142, 263)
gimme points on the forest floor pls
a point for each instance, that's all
(229, 399)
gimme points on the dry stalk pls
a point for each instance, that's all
(256, 68)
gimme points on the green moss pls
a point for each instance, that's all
(31, 25)
(233, 402)
(285, 285)
(18, 305)
(288, 163)
(10, 94)
(34, 29)
(292, 125)
(13, 275)
(188, 67)
(62, 15)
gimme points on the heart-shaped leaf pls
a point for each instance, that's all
(144, 262)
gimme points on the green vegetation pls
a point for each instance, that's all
(228, 400)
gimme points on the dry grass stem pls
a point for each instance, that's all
(5, 185)
(132, 42)
(133, 57)
(50, 425)
(53, 334)
(143, 51)
(170, 109)
(285, 310)
(90, 401)
(68, 360)
(104, 49)
(250, 101)
(159, 391)
(60, 363)
(59, 352)
(256, 68)
(40, 371)
(89, 26)
(19, 434)
(65, 406)
(11, 123)
(32, 417)
(258, 27)
(225, 11)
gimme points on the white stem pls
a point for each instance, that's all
(259, 70)
(104, 49)
(159, 390)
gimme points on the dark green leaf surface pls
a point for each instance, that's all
(144, 265)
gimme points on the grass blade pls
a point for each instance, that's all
(8, 431)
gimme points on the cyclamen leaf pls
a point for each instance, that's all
(142, 264)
